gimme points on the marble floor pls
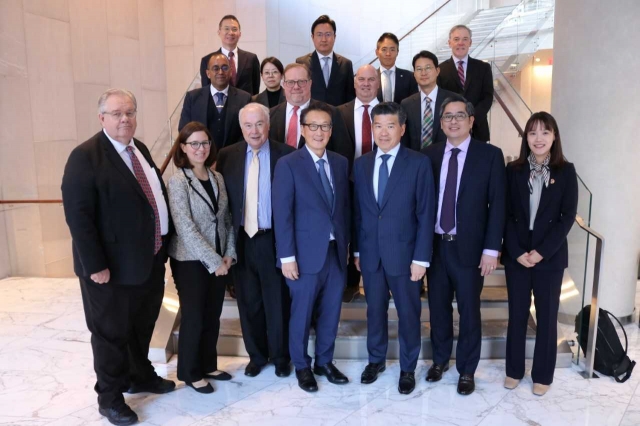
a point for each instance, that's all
(47, 378)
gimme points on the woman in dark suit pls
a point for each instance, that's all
(542, 198)
(271, 71)
(201, 251)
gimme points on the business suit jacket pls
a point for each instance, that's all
(248, 74)
(196, 225)
(480, 208)
(554, 218)
(111, 221)
(341, 89)
(406, 85)
(231, 163)
(478, 89)
(339, 141)
(347, 114)
(402, 229)
(413, 134)
(302, 217)
(263, 98)
(195, 107)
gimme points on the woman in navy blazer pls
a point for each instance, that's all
(542, 198)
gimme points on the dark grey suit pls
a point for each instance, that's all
(405, 85)
(413, 134)
(248, 75)
(340, 88)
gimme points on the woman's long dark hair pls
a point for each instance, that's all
(547, 121)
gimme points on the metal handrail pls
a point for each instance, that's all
(509, 114)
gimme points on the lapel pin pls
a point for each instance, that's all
(552, 181)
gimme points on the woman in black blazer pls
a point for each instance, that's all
(542, 198)
(271, 71)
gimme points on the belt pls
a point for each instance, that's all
(447, 237)
(263, 231)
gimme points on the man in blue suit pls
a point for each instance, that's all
(470, 218)
(311, 214)
(394, 217)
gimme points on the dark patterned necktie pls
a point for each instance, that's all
(448, 212)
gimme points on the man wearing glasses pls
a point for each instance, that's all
(216, 106)
(311, 216)
(115, 204)
(470, 217)
(285, 117)
(423, 108)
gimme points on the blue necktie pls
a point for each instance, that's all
(383, 177)
(448, 210)
(328, 192)
(220, 101)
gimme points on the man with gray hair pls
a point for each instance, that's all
(263, 297)
(115, 204)
(468, 77)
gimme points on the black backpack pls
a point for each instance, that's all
(610, 358)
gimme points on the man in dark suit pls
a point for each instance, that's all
(469, 77)
(216, 106)
(285, 118)
(312, 218)
(470, 179)
(393, 218)
(116, 207)
(263, 297)
(245, 67)
(423, 108)
(332, 74)
(396, 84)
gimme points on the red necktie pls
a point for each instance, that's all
(366, 130)
(461, 73)
(138, 171)
(232, 65)
(292, 133)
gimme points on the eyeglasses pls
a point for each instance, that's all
(301, 83)
(326, 35)
(216, 68)
(314, 127)
(197, 145)
(118, 114)
(426, 69)
(271, 73)
(459, 117)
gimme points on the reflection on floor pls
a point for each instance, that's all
(46, 377)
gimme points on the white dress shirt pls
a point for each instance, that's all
(384, 80)
(330, 61)
(393, 152)
(235, 56)
(465, 62)
(151, 175)
(214, 91)
(288, 118)
(358, 110)
(462, 156)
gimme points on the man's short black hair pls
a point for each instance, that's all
(225, 17)
(316, 106)
(323, 19)
(426, 55)
(458, 98)
(389, 108)
(390, 36)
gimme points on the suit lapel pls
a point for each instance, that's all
(273, 157)
(202, 104)
(546, 191)
(522, 181)
(380, 99)
(369, 165)
(400, 79)
(470, 163)
(120, 165)
(350, 116)
(436, 113)
(316, 68)
(230, 108)
(468, 76)
(335, 68)
(242, 63)
(313, 174)
(396, 174)
(415, 120)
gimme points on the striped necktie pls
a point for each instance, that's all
(427, 125)
(461, 72)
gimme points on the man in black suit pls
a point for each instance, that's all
(216, 106)
(470, 217)
(332, 74)
(116, 207)
(245, 67)
(396, 84)
(469, 77)
(423, 108)
(263, 297)
(285, 118)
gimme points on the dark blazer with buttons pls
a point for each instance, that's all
(347, 114)
(339, 141)
(480, 208)
(263, 98)
(401, 230)
(111, 221)
(341, 89)
(406, 85)
(248, 74)
(195, 105)
(478, 89)
(554, 218)
(413, 134)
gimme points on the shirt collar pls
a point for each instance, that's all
(431, 95)
(392, 152)
(456, 59)
(315, 157)
(320, 55)
(214, 90)
(117, 145)
(303, 106)
(359, 104)
(383, 69)
(226, 52)
(263, 148)
(464, 146)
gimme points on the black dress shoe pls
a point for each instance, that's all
(283, 369)
(466, 384)
(252, 369)
(371, 372)
(120, 414)
(331, 371)
(203, 389)
(159, 385)
(436, 371)
(221, 376)
(306, 381)
(407, 382)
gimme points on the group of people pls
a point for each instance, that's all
(301, 191)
